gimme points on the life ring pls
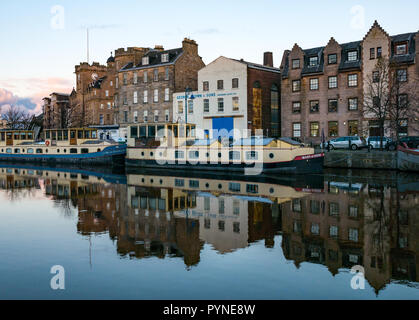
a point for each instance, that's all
(47, 143)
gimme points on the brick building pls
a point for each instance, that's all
(234, 96)
(55, 109)
(323, 88)
(145, 85)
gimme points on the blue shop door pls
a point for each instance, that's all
(223, 127)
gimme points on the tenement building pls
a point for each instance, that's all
(56, 110)
(323, 89)
(235, 98)
(145, 87)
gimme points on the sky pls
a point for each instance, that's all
(42, 41)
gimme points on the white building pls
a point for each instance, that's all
(221, 103)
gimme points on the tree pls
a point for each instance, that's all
(376, 97)
(17, 118)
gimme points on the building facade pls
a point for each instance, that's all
(145, 86)
(56, 110)
(323, 88)
(235, 98)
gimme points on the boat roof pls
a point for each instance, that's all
(253, 141)
(201, 142)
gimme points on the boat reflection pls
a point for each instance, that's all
(339, 222)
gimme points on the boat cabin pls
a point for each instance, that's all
(72, 137)
(174, 134)
(10, 137)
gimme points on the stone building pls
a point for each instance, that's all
(145, 86)
(55, 110)
(323, 88)
(234, 97)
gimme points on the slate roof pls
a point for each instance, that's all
(258, 66)
(155, 59)
(351, 46)
(315, 52)
(410, 56)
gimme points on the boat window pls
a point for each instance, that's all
(87, 134)
(194, 154)
(65, 136)
(234, 155)
(58, 150)
(8, 150)
(73, 150)
(252, 188)
(2, 136)
(23, 136)
(134, 132)
(54, 135)
(179, 154)
(17, 150)
(16, 136)
(160, 131)
(30, 135)
(30, 151)
(38, 151)
(60, 136)
(80, 134)
(252, 155)
(47, 135)
(72, 134)
(143, 131)
(181, 131)
(94, 134)
(84, 150)
(152, 131)
(175, 131)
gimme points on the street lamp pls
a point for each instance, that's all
(192, 97)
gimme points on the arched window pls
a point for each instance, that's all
(257, 107)
(275, 112)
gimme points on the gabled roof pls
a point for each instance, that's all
(154, 59)
(258, 66)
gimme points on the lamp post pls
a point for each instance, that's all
(187, 92)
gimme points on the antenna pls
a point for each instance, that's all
(88, 46)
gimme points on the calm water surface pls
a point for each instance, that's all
(161, 235)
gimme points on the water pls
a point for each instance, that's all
(155, 235)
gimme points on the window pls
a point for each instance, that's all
(135, 116)
(125, 98)
(333, 105)
(145, 96)
(251, 155)
(333, 128)
(333, 231)
(125, 116)
(205, 86)
(402, 100)
(194, 154)
(145, 61)
(315, 229)
(314, 129)
(352, 127)
(375, 76)
(73, 150)
(315, 207)
(296, 130)
(403, 127)
(313, 61)
(353, 211)
(167, 115)
(145, 77)
(401, 49)
(352, 104)
(333, 82)
(109, 105)
(107, 93)
(333, 58)
(101, 119)
(234, 155)
(220, 104)
(134, 132)
(221, 225)
(156, 75)
(352, 56)
(135, 97)
(314, 106)
(333, 209)
(125, 79)
(236, 227)
(190, 106)
(145, 116)
(220, 84)
(156, 118)
(252, 188)
(167, 74)
(206, 105)
(296, 85)
(235, 103)
(296, 205)
(117, 83)
(379, 52)
(296, 63)
(167, 94)
(135, 78)
(296, 107)
(165, 57)
(235, 83)
(352, 80)
(314, 84)
(372, 53)
(353, 235)
(402, 75)
(180, 107)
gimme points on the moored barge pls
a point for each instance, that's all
(72, 146)
(175, 146)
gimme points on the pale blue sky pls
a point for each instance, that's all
(36, 59)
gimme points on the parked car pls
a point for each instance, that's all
(343, 143)
(411, 142)
(375, 142)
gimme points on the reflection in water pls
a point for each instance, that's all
(339, 223)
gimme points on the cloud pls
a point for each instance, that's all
(207, 31)
(28, 93)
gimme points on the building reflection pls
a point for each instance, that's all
(340, 225)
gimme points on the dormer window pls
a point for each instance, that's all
(352, 56)
(145, 61)
(401, 48)
(165, 57)
(296, 63)
(313, 61)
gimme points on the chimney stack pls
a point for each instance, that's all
(268, 59)
(190, 46)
